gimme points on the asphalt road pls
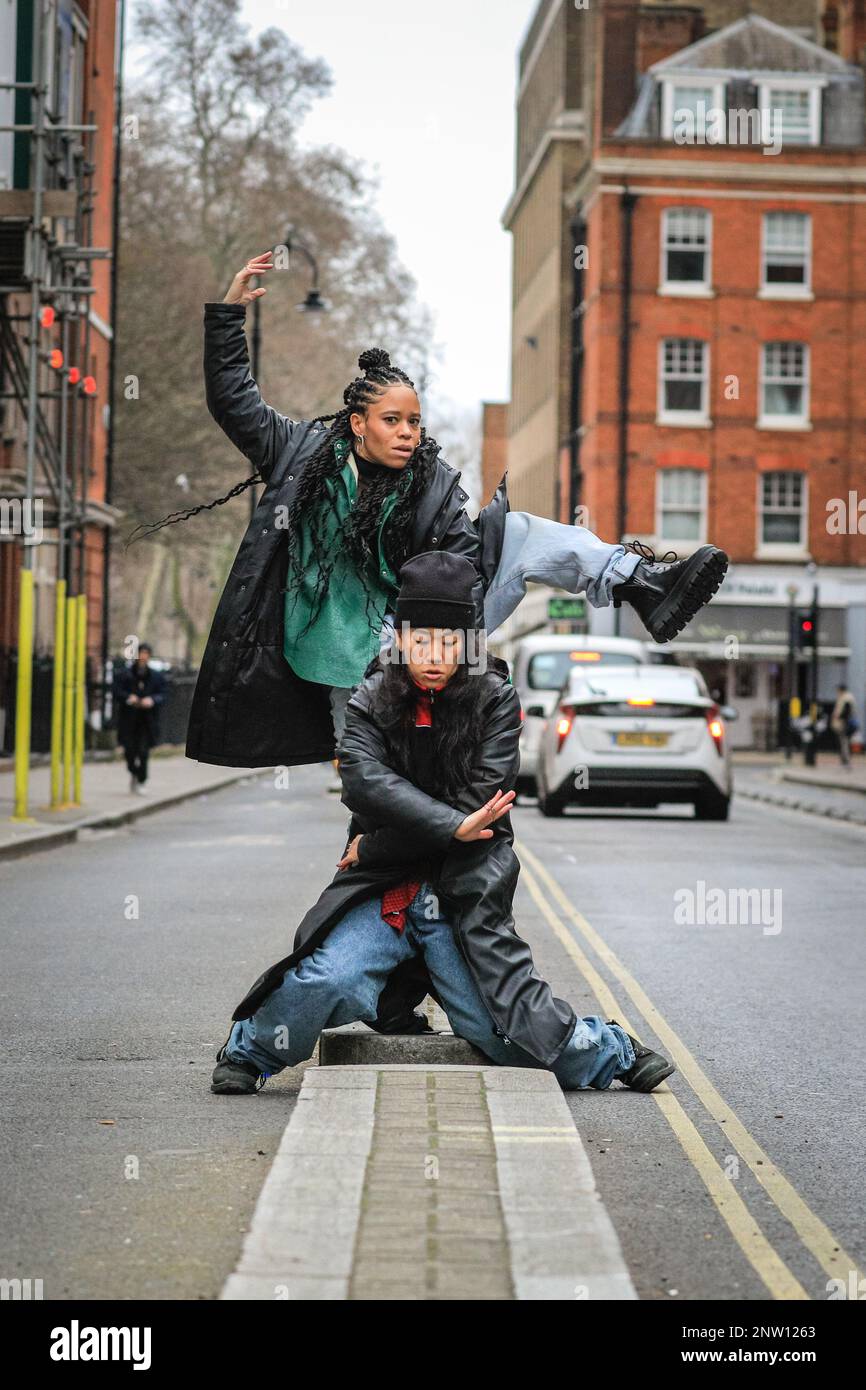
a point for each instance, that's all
(124, 955)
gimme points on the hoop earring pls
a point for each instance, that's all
(359, 440)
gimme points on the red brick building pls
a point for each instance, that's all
(712, 359)
(78, 60)
(494, 446)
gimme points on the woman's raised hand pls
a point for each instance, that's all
(239, 289)
(476, 826)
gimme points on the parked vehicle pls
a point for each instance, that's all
(540, 667)
(635, 737)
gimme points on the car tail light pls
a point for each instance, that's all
(564, 721)
(716, 727)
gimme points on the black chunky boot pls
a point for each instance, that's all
(232, 1078)
(667, 595)
(648, 1068)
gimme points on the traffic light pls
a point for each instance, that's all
(806, 627)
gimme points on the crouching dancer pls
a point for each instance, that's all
(422, 898)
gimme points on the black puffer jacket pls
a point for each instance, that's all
(249, 709)
(404, 827)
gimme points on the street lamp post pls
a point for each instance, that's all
(312, 304)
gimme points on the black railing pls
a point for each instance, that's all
(174, 712)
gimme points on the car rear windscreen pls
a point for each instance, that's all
(550, 670)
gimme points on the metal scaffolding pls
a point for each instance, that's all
(46, 253)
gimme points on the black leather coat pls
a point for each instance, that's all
(475, 882)
(249, 709)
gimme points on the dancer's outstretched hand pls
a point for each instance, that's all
(475, 827)
(239, 289)
(351, 855)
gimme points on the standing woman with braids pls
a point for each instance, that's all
(348, 498)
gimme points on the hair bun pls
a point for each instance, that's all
(374, 360)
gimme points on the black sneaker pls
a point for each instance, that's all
(406, 1023)
(231, 1078)
(648, 1068)
(665, 594)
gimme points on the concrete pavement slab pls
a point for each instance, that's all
(361, 1207)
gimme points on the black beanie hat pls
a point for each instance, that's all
(436, 591)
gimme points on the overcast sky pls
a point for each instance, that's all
(424, 95)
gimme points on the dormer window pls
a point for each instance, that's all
(693, 111)
(791, 109)
(753, 83)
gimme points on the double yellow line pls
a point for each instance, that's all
(816, 1237)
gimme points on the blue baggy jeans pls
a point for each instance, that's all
(340, 982)
(570, 558)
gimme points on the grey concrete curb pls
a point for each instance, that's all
(791, 803)
(354, 1044)
(803, 781)
(562, 1242)
(64, 835)
(301, 1242)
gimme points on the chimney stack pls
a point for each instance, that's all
(665, 29)
(850, 28)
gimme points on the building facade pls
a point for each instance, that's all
(69, 247)
(709, 352)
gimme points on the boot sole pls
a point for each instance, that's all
(239, 1084)
(231, 1088)
(693, 590)
(653, 1076)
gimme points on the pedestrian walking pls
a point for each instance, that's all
(348, 498)
(422, 898)
(139, 693)
(844, 723)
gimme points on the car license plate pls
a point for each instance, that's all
(629, 740)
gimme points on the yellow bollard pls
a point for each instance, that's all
(80, 691)
(24, 698)
(69, 699)
(57, 693)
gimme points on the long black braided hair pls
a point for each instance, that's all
(456, 731)
(358, 538)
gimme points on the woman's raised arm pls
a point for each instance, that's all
(233, 398)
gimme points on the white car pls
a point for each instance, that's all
(636, 737)
(541, 666)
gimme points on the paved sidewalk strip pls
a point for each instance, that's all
(108, 802)
(430, 1183)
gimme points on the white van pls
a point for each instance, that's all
(540, 668)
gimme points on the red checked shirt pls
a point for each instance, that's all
(396, 900)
